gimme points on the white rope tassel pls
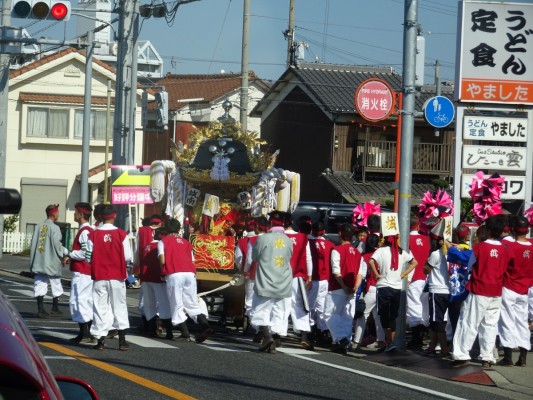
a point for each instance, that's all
(158, 170)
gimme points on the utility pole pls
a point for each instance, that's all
(244, 66)
(289, 34)
(406, 160)
(123, 130)
(86, 138)
(4, 109)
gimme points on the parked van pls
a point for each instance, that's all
(334, 215)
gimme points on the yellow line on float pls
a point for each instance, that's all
(174, 394)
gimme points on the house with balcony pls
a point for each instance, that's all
(44, 134)
(310, 116)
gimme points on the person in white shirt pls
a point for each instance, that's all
(390, 259)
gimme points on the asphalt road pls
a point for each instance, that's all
(227, 366)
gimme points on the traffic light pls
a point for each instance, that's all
(161, 100)
(41, 9)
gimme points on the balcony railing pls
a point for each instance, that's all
(380, 156)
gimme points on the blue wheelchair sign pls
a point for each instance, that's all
(439, 111)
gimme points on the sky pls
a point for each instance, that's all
(205, 36)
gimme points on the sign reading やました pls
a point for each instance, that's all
(374, 100)
(495, 53)
(502, 129)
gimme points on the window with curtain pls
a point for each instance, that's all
(98, 124)
(47, 122)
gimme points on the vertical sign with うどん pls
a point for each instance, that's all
(495, 53)
(501, 129)
(494, 158)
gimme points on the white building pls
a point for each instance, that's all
(44, 133)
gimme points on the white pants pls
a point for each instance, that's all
(479, 317)
(299, 317)
(40, 285)
(513, 327)
(81, 298)
(339, 310)
(248, 296)
(109, 306)
(316, 297)
(155, 299)
(370, 307)
(417, 304)
(183, 297)
(270, 312)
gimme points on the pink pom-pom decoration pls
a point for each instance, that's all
(486, 193)
(435, 204)
(361, 212)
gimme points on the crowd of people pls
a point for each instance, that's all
(98, 261)
(470, 291)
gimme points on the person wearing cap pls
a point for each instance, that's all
(249, 268)
(81, 287)
(321, 249)
(176, 260)
(302, 272)
(513, 325)
(110, 250)
(436, 267)
(273, 282)
(481, 310)
(347, 271)
(390, 258)
(47, 258)
(417, 311)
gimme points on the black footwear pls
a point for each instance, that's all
(122, 344)
(55, 311)
(111, 334)
(258, 337)
(430, 352)
(202, 320)
(86, 333)
(486, 365)
(459, 363)
(78, 338)
(101, 344)
(522, 358)
(41, 312)
(277, 339)
(268, 340)
(339, 349)
(305, 342)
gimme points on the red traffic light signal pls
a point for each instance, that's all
(41, 9)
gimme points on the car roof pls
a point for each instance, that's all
(20, 357)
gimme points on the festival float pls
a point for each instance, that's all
(213, 184)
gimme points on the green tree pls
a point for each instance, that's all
(10, 223)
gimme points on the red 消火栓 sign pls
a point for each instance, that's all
(495, 53)
(374, 100)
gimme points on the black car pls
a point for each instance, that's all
(334, 215)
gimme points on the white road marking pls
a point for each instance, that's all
(295, 351)
(60, 358)
(222, 347)
(382, 379)
(145, 342)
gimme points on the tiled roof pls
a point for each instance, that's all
(60, 98)
(208, 87)
(48, 58)
(378, 188)
(334, 86)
